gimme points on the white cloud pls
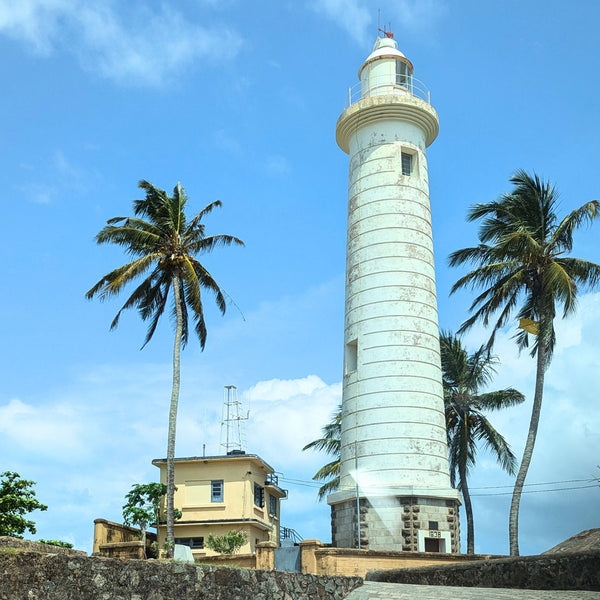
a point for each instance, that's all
(351, 15)
(277, 165)
(415, 16)
(287, 415)
(134, 46)
(35, 22)
(227, 142)
(283, 390)
(37, 193)
(357, 17)
(56, 431)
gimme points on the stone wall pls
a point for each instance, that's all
(574, 571)
(19, 544)
(60, 577)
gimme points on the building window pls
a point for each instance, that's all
(216, 490)
(197, 543)
(407, 163)
(272, 505)
(259, 495)
(434, 525)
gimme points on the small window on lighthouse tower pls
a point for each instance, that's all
(351, 358)
(407, 163)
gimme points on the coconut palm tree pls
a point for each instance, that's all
(330, 443)
(161, 240)
(466, 424)
(522, 265)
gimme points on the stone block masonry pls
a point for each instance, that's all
(396, 523)
(37, 576)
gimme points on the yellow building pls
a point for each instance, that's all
(217, 494)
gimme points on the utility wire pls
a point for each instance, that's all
(581, 487)
(311, 484)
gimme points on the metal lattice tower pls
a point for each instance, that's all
(233, 426)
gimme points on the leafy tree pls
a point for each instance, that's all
(142, 507)
(161, 239)
(466, 425)
(229, 543)
(331, 444)
(17, 498)
(522, 265)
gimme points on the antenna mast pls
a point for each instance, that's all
(233, 427)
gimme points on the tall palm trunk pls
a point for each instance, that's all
(464, 488)
(513, 526)
(173, 420)
(143, 531)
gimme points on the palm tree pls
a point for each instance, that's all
(522, 266)
(466, 425)
(160, 237)
(330, 443)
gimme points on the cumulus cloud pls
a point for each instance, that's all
(137, 46)
(287, 415)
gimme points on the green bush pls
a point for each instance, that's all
(56, 543)
(229, 543)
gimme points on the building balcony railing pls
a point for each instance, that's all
(385, 85)
(286, 533)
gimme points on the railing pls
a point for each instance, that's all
(383, 85)
(272, 479)
(285, 533)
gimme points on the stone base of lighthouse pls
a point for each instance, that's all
(408, 523)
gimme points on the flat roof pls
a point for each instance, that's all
(244, 456)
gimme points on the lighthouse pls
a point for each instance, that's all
(395, 491)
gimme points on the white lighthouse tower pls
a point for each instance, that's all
(395, 491)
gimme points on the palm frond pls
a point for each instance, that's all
(112, 282)
(158, 234)
(562, 237)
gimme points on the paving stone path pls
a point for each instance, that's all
(372, 590)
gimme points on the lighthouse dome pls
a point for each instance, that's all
(385, 48)
(386, 70)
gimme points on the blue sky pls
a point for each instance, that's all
(238, 101)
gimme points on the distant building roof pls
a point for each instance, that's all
(586, 540)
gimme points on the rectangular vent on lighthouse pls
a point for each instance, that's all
(351, 357)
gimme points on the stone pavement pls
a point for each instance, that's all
(372, 590)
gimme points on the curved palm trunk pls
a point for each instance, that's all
(464, 488)
(173, 421)
(513, 526)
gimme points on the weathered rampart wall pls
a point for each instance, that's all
(574, 571)
(19, 544)
(60, 577)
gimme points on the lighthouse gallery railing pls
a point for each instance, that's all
(379, 86)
